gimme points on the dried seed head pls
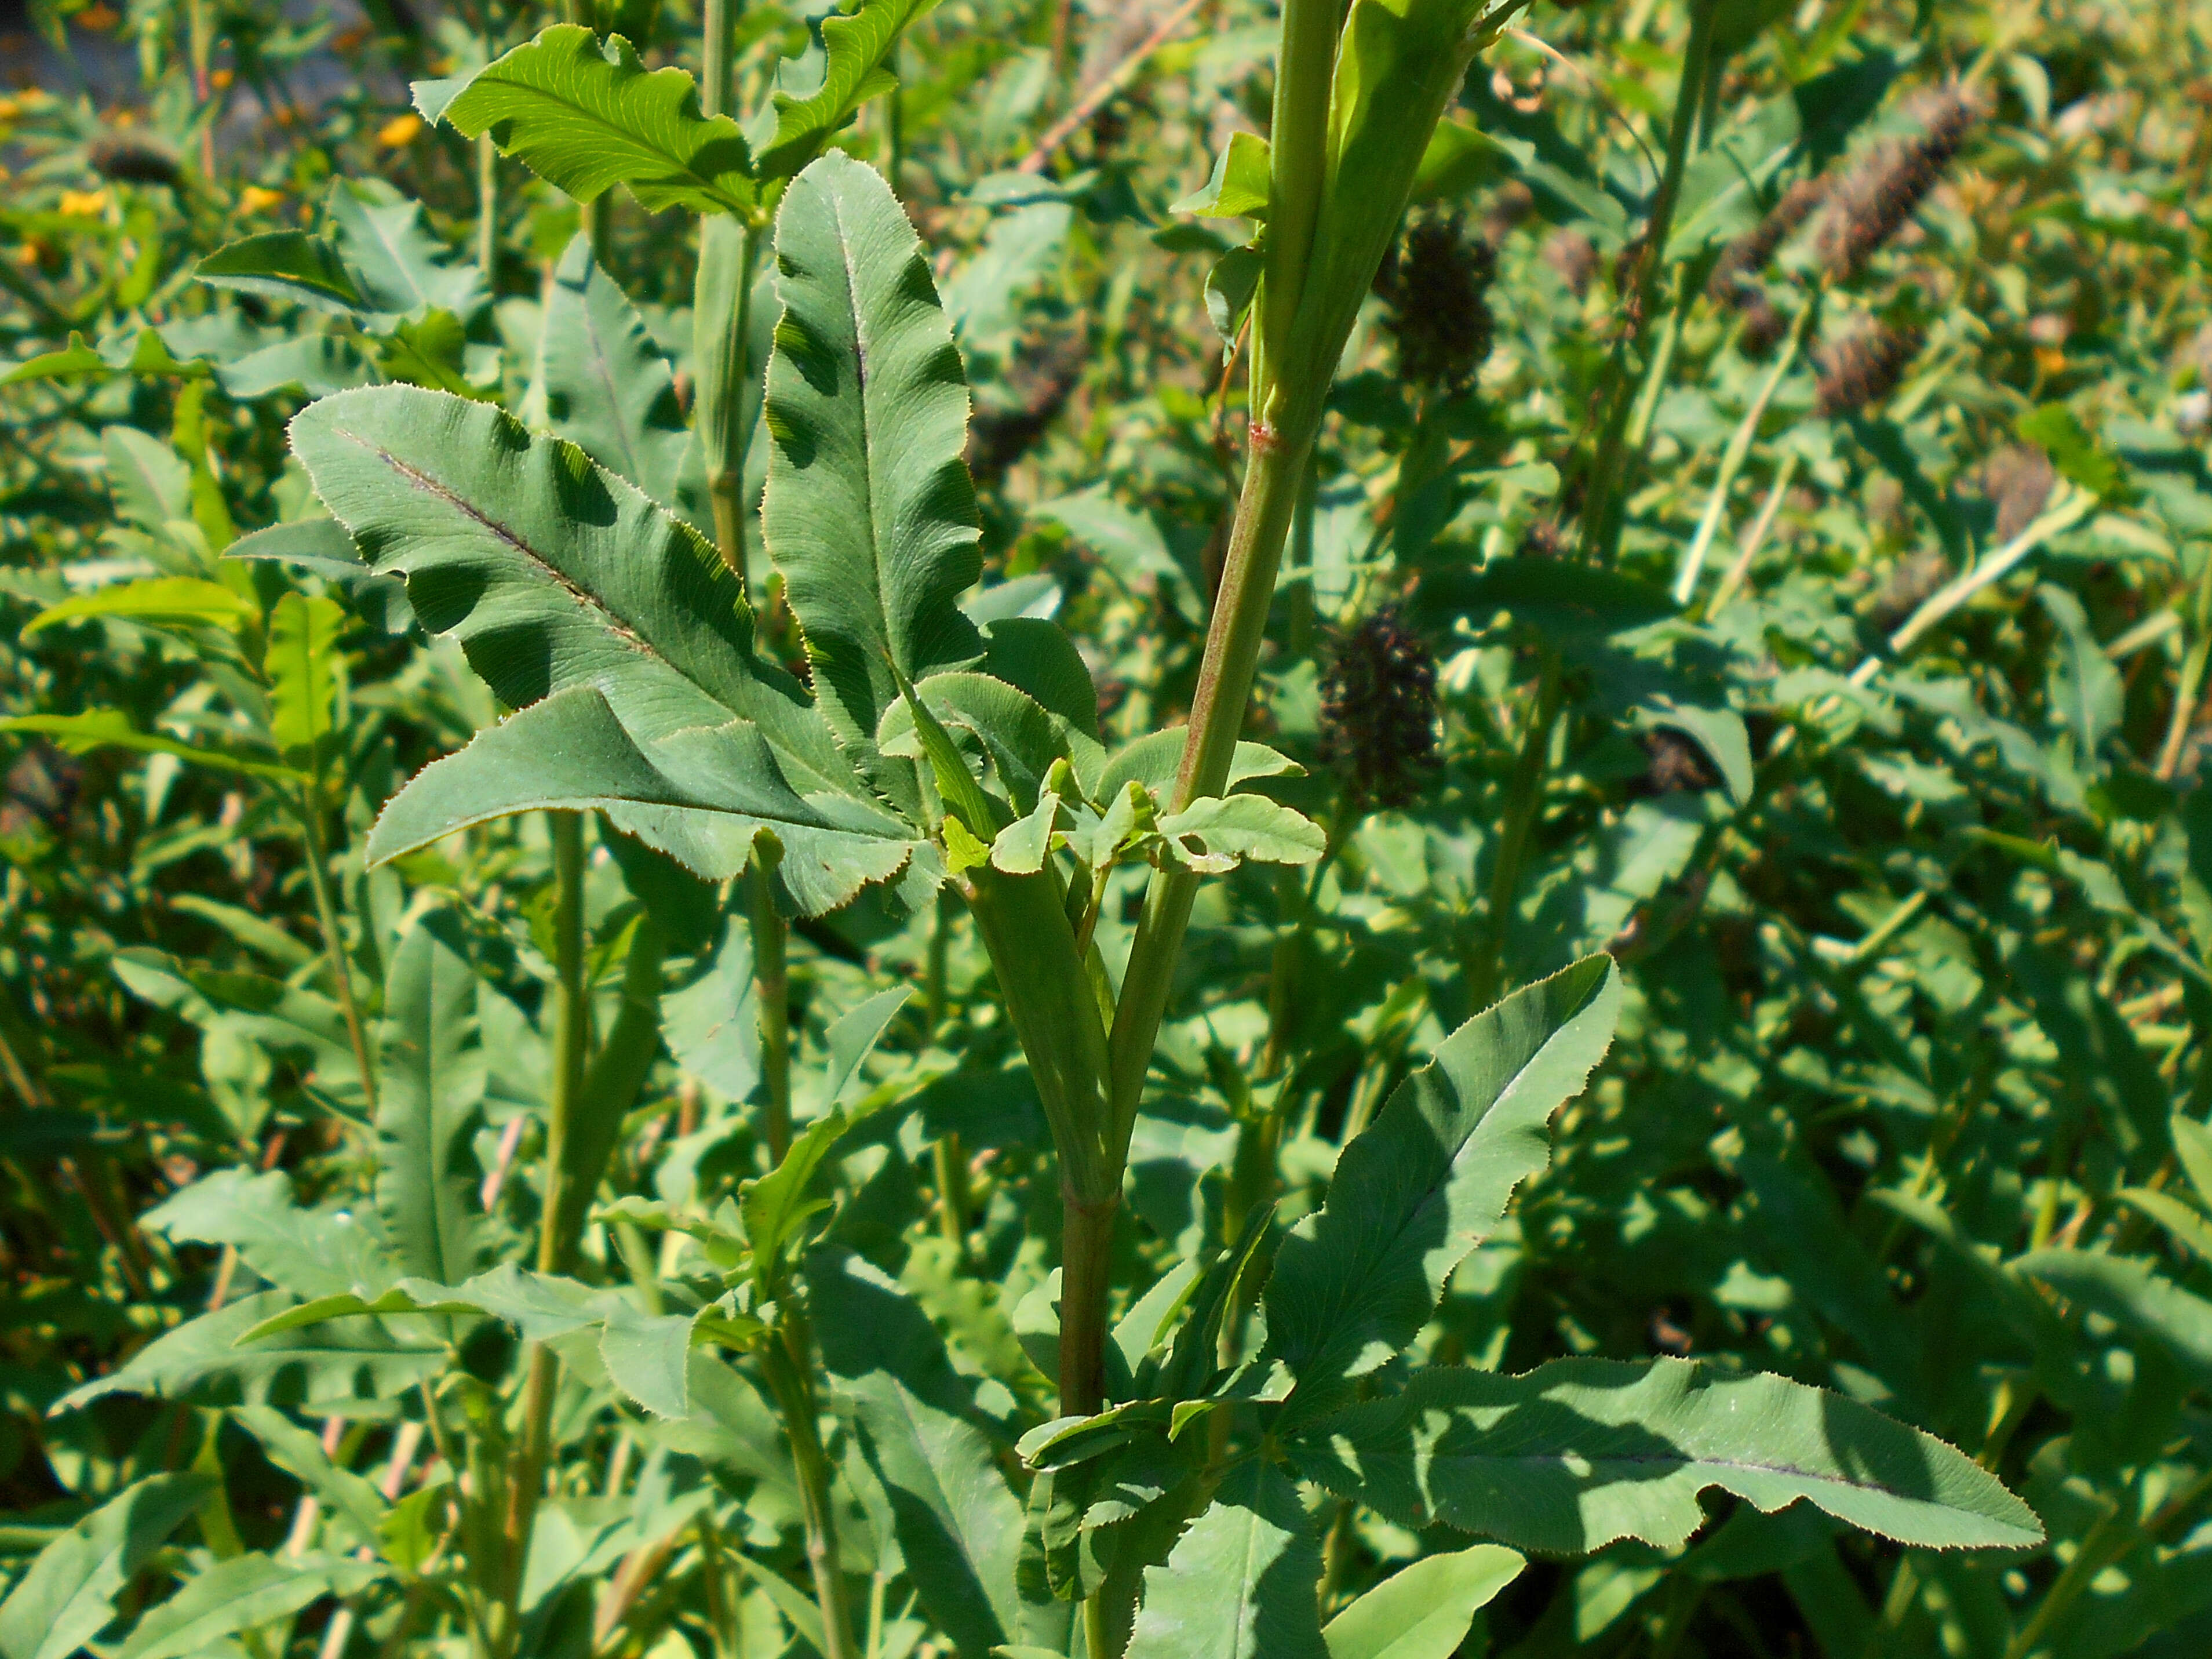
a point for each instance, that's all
(1541, 539)
(1763, 325)
(1886, 189)
(1748, 255)
(2018, 480)
(1436, 287)
(1912, 583)
(1864, 369)
(133, 158)
(1378, 708)
(1677, 764)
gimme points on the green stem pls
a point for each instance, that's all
(1739, 451)
(1297, 165)
(722, 302)
(1524, 797)
(1600, 512)
(487, 206)
(786, 1359)
(526, 1480)
(771, 974)
(1086, 1271)
(308, 810)
(2107, 1541)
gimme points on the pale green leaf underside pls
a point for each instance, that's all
(67, 1595)
(1354, 1284)
(1569, 1457)
(1241, 1583)
(1423, 1612)
(240, 1595)
(585, 116)
(700, 796)
(869, 513)
(550, 571)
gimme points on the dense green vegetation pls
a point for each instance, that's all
(649, 1008)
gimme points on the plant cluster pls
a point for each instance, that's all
(1204, 831)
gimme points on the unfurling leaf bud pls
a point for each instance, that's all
(1874, 202)
(1378, 712)
(1436, 284)
(1864, 369)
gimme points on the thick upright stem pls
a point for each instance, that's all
(771, 975)
(787, 1361)
(1271, 484)
(526, 1480)
(1086, 1269)
(721, 305)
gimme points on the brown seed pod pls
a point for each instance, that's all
(1378, 708)
(1864, 369)
(1874, 202)
(1763, 325)
(132, 158)
(1748, 255)
(1436, 287)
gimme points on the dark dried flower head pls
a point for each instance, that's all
(1864, 369)
(1763, 326)
(132, 158)
(1541, 539)
(1748, 255)
(1678, 765)
(1378, 708)
(1437, 287)
(1912, 583)
(1884, 191)
(2018, 481)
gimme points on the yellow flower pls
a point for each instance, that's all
(254, 199)
(10, 109)
(84, 204)
(399, 131)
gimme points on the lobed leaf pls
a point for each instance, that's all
(585, 114)
(854, 45)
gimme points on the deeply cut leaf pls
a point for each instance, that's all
(1576, 1454)
(855, 46)
(586, 115)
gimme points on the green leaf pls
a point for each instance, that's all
(855, 46)
(178, 600)
(67, 1594)
(300, 664)
(1153, 760)
(1428, 1180)
(1241, 1583)
(852, 1036)
(311, 1252)
(1423, 1612)
(2186, 1226)
(111, 729)
(2086, 690)
(300, 1455)
(1239, 188)
(777, 1207)
(869, 513)
(646, 1355)
(1556, 598)
(241, 1594)
(2192, 1145)
(1567, 1458)
(150, 482)
(1215, 834)
(1023, 738)
(287, 265)
(608, 389)
(1034, 654)
(396, 265)
(2079, 459)
(200, 1362)
(550, 571)
(957, 1523)
(431, 1081)
(701, 796)
(1129, 542)
(585, 114)
(2133, 1294)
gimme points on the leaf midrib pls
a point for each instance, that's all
(677, 164)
